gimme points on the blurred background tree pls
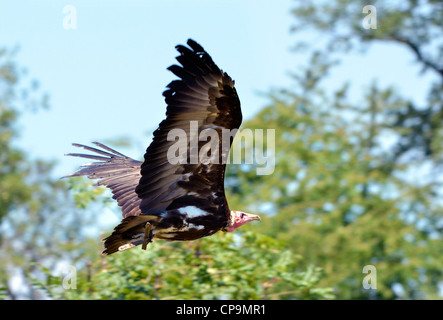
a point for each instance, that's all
(414, 25)
(223, 266)
(38, 220)
(342, 194)
(335, 196)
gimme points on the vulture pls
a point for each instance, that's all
(177, 192)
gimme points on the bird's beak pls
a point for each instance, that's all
(252, 217)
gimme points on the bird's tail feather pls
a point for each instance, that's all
(128, 234)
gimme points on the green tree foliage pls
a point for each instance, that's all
(38, 222)
(342, 194)
(414, 25)
(223, 266)
(13, 188)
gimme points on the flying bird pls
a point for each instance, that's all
(177, 192)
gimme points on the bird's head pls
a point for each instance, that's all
(239, 218)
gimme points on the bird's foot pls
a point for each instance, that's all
(148, 235)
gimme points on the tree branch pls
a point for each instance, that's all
(416, 49)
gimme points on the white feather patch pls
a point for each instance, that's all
(195, 226)
(192, 211)
(169, 235)
(125, 247)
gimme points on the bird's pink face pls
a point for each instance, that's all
(240, 218)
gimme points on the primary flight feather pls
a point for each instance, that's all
(177, 192)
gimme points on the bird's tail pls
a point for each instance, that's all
(128, 234)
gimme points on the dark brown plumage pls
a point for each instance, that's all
(175, 201)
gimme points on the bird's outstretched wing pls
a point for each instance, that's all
(187, 196)
(115, 171)
(205, 96)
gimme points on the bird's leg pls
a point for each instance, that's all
(148, 236)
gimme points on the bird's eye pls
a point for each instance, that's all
(242, 215)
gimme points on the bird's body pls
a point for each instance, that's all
(178, 194)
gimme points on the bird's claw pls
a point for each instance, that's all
(148, 236)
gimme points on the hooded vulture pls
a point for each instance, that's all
(177, 192)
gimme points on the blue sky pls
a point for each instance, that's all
(105, 78)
